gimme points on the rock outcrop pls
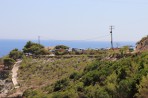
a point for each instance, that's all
(5, 87)
(142, 45)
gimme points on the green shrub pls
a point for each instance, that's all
(75, 75)
(143, 88)
(34, 48)
(30, 93)
(80, 87)
(15, 54)
(8, 63)
(70, 93)
(61, 47)
(61, 84)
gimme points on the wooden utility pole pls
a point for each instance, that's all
(111, 32)
(38, 39)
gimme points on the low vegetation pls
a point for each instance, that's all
(1, 61)
(100, 73)
(85, 77)
(34, 49)
(44, 71)
(6, 68)
(16, 54)
(8, 63)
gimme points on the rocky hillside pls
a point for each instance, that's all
(84, 77)
(142, 45)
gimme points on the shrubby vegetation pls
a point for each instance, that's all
(61, 47)
(46, 71)
(15, 54)
(1, 61)
(8, 63)
(95, 74)
(78, 78)
(34, 49)
(6, 69)
(143, 87)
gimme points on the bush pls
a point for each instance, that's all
(34, 48)
(126, 88)
(60, 52)
(15, 54)
(34, 94)
(143, 88)
(8, 63)
(61, 84)
(66, 94)
(96, 92)
(80, 87)
(75, 75)
(61, 47)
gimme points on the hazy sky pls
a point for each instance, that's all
(73, 19)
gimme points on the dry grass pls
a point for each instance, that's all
(37, 73)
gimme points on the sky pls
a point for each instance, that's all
(73, 19)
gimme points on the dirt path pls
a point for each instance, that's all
(14, 73)
(8, 85)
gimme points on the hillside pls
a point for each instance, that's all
(39, 73)
(84, 77)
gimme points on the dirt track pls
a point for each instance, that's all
(14, 73)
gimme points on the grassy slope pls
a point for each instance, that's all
(36, 73)
(103, 79)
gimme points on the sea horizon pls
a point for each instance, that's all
(6, 45)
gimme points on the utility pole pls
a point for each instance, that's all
(111, 28)
(38, 39)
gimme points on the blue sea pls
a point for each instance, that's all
(7, 45)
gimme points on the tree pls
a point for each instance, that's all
(8, 63)
(34, 48)
(61, 47)
(28, 44)
(15, 54)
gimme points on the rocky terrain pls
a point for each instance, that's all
(5, 87)
(142, 45)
